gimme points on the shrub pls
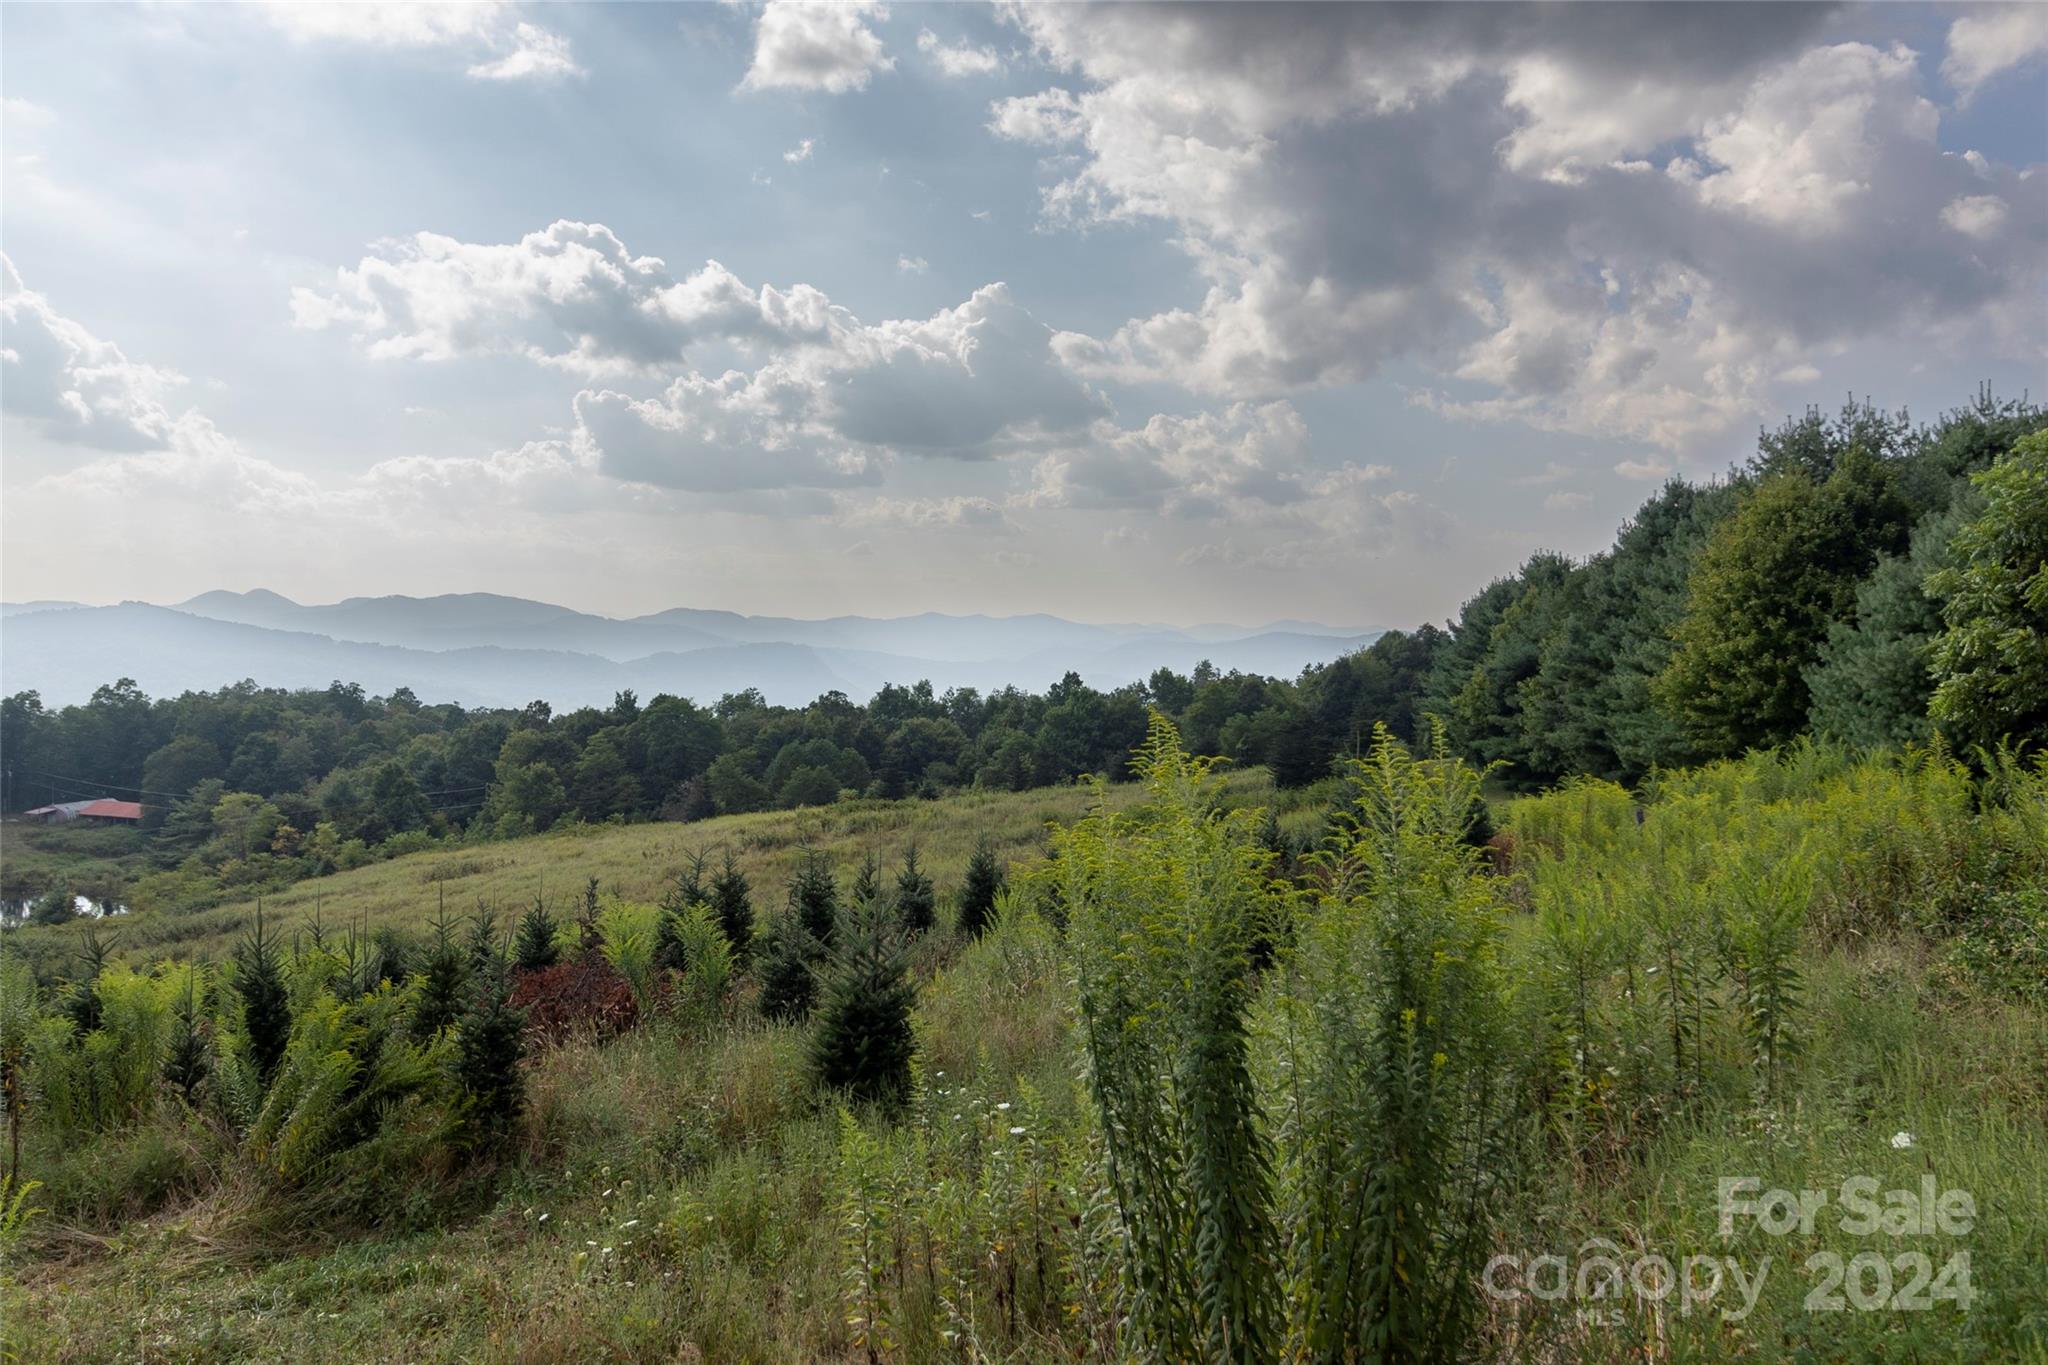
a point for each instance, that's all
(345, 1079)
(788, 969)
(534, 949)
(984, 882)
(863, 1040)
(1163, 906)
(916, 902)
(488, 1049)
(438, 1001)
(1393, 1148)
(813, 898)
(731, 901)
(266, 1015)
(19, 1005)
(586, 996)
(627, 934)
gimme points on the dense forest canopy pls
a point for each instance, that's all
(1860, 577)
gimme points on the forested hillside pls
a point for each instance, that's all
(1861, 578)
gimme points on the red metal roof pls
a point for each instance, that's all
(113, 810)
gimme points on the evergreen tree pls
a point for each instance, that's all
(979, 891)
(1990, 663)
(685, 890)
(188, 1061)
(788, 970)
(915, 899)
(266, 1012)
(484, 952)
(867, 881)
(813, 899)
(863, 1042)
(1766, 587)
(489, 1043)
(535, 949)
(389, 961)
(1872, 683)
(440, 999)
(732, 902)
(589, 934)
(83, 1002)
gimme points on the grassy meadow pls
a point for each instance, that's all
(1800, 968)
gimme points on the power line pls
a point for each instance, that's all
(105, 786)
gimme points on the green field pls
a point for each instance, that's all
(687, 1191)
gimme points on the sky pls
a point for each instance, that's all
(1216, 313)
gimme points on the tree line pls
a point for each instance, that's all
(1861, 577)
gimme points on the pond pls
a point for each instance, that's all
(14, 913)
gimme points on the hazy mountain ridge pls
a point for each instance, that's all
(481, 649)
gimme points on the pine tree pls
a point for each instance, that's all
(686, 890)
(489, 1043)
(789, 981)
(535, 950)
(978, 893)
(441, 985)
(266, 1013)
(389, 961)
(187, 1062)
(732, 902)
(590, 935)
(916, 902)
(813, 899)
(83, 1003)
(484, 951)
(867, 882)
(863, 1043)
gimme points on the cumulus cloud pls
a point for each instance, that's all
(504, 47)
(978, 514)
(1993, 40)
(816, 46)
(912, 265)
(958, 60)
(570, 296)
(1494, 192)
(1248, 465)
(1976, 215)
(77, 388)
(536, 54)
(972, 382)
(800, 152)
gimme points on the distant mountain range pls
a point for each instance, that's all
(480, 649)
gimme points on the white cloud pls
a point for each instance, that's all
(1976, 215)
(536, 55)
(570, 296)
(1552, 472)
(1808, 141)
(816, 46)
(1471, 187)
(953, 513)
(23, 113)
(912, 265)
(958, 60)
(972, 382)
(504, 46)
(1991, 41)
(1567, 502)
(77, 388)
(1642, 470)
(800, 152)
